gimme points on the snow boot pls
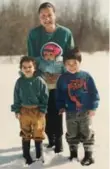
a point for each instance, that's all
(58, 145)
(39, 151)
(73, 154)
(88, 159)
(26, 151)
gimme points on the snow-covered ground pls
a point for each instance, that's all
(10, 142)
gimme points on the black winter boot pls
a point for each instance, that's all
(58, 145)
(73, 154)
(26, 151)
(39, 150)
(88, 159)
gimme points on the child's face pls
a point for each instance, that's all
(48, 55)
(72, 65)
(47, 17)
(28, 69)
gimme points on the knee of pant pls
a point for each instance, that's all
(72, 140)
(39, 135)
(73, 136)
(58, 133)
(58, 137)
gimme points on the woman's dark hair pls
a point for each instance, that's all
(46, 5)
(73, 54)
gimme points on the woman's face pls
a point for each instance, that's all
(47, 18)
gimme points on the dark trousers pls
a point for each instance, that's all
(53, 120)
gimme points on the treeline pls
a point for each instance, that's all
(90, 32)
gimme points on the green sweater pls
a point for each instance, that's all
(38, 37)
(30, 92)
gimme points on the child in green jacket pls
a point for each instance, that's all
(30, 107)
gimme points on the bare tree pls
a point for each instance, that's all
(90, 33)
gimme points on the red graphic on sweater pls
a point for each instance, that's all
(73, 86)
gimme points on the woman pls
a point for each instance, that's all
(49, 32)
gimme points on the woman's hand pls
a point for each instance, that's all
(62, 111)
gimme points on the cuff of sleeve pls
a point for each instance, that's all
(94, 106)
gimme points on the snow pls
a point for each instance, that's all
(10, 142)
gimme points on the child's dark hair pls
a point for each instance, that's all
(28, 59)
(46, 5)
(73, 53)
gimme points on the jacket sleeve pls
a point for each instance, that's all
(31, 48)
(60, 98)
(70, 43)
(17, 102)
(44, 95)
(94, 95)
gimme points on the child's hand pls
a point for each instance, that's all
(91, 113)
(41, 121)
(17, 115)
(51, 78)
(61, 111)
(54, 77)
